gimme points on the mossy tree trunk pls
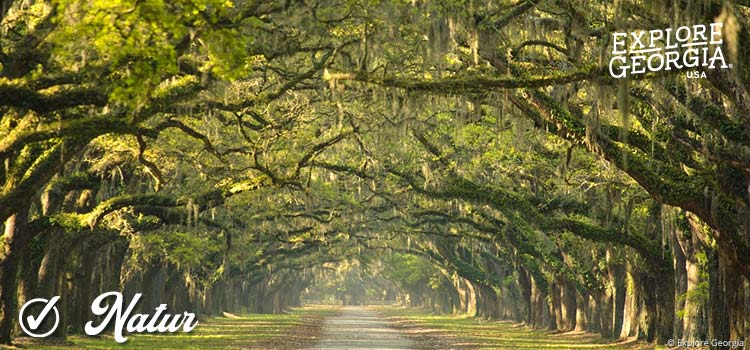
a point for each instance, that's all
(718, 319)
(15, 241)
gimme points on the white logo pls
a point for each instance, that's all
(30, 324)
(138, 323)
(159, 322)
(638, 52)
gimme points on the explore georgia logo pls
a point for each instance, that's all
(111, 307)
(697, 46)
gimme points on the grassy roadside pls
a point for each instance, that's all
(295, 329)
(463, 332)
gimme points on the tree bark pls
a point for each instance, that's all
(556, 323)
(16, 240)
(693, 327)
(539, 309)
(631, 303)
(524, 284)
(582, 311)
(735, 293)
(718, 320)
(595, 314)
(50, 276)
(681, 281)
(567, 305)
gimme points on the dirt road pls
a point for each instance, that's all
(360, 328)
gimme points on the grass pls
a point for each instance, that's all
(300, 328)
(465, 332)
(252, 331)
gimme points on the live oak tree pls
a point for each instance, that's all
(680, 140)
(74, 71)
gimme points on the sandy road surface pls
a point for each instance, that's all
(360, 328)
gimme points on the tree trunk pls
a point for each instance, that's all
(29, 266)
(471, 298)
(567, 305)
(681, 281)
(277, 308)
(631, 303)
(692, 303)
(595, 313)
(538, 306)
(606, 312)
(51, 278)
(153, 287)
(582, 311)
(735, 293)
(718, 320)
(48, 269)
(83, 277)
(555, 308)
(524, 284)
(618, 298)
(660, 305)
(693, 327)
(490, 303)
(16, 240)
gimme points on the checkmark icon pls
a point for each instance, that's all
(33, 322)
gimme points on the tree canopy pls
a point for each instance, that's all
(471, 156)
